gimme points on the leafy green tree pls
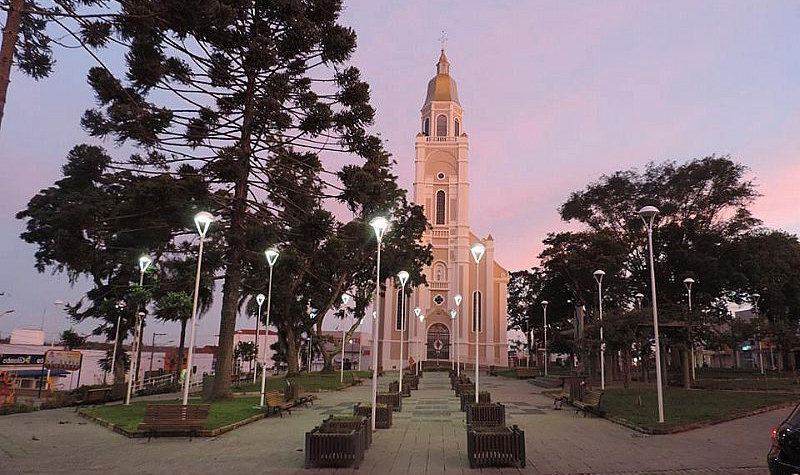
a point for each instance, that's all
(71, 339)
(525, 312)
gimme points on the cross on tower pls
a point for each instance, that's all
(443, 39)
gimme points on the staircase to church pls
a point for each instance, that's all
(547, 382)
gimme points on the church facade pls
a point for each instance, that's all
(441, 186)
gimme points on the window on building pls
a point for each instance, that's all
(398, 321)
(476, 311)
(457, 128)
(440, 206)
(426, 126)
(441, 125)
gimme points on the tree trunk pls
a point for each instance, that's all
(293, 366)
(139, 354)
(626, 368)
(181, 344)
(10, 35)
(118, 371)
(686, 369)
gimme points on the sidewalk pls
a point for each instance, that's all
(429, 436)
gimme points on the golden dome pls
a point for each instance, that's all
(442, 87)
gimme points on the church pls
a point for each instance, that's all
(441, 186)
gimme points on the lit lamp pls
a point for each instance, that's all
(477, 250)
(402, 276)
(379, 225)
(272, 257)
(648, 215)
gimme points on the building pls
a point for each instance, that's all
(356, 351)
(441, 186)
(264, 350)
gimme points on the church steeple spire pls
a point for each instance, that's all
(443, 66)
(442, 87)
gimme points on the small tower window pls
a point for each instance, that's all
(440, 208)
(457, 128)
(426, 126)
(476, 311)
(441, 125)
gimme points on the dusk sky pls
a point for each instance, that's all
(555, 94)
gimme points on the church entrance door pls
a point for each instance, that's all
(438, 343)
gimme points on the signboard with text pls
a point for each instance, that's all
(16, 359)
(62, 359)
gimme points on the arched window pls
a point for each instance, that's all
(426, 126)
(457, 128)
(398, 321)
(440, 207)
(439, 272)
(441, 125)
(477, 312)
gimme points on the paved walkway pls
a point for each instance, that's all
(428, 436)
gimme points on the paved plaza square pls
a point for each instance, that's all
(428, 436)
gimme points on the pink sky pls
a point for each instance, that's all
(555, 94)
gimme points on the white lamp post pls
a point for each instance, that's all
(272, 256)
(477, 251)
(687, 282)
(756, 297)
(144, 264)
(402, 276)
(457, 299)
(120, 306)
(598, 277)
(545, 303)
(639, 296)
(422, 324)
(202, 221)
(648, 215)
(453, 315)
(260, 301)
(345, 301)
(420, 318)
(379, 224)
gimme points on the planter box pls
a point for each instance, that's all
(468, 398)
(383, 414)
(456, 380)
(412, 381)
(350, 422)
(496, 446)
(394, 387)
(392, 399)
(486, 415)
(334, 447)
(462, 387)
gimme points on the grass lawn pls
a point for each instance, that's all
(309, 382)
(219, 414)
(684, 407)
(745, 380)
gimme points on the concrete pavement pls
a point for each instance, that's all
(429, 436)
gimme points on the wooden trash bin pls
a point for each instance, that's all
(496, 446)
(491, 414)
(334, 446)
(383, 414)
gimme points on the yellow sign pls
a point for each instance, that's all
(62, 359)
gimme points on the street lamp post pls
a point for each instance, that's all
(345, 301)
(648, 215)
(120, 306)
(144, 263)
(379, 225)
(453, 315)
(756, 297)
(260, 301)
(544, 307)
(457, 299)
(477, 251)
(598, 277)
(272, 256)
(422, 344)
(420, 319)
(639, 296)
(687, 282)
(402, 276)
(202, 221)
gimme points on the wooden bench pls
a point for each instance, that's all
(95, 396)
(356, 380)
(297, 395)
(589, 403)
(496, 446)
(276, 404)
(525, 373)
(492, 371)
(174, 419)
(560, 398)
